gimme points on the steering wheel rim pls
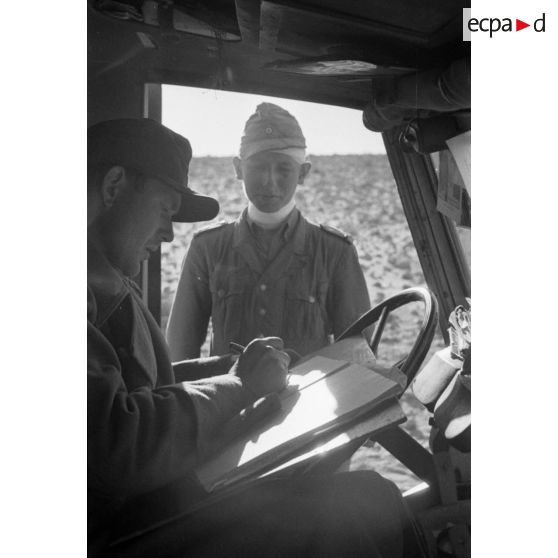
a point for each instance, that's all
(380, 313)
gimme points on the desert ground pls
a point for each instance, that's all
(357, 194)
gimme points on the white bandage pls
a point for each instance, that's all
(269, 220)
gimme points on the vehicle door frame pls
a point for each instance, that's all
(439, 250)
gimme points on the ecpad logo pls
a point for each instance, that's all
(493, 25)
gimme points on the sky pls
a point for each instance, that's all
(213, 121)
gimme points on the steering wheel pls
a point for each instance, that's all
(379, 315)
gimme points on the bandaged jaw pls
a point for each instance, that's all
(269, 220)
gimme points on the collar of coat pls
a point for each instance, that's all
(106, 287)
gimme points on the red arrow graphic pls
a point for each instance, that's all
(519, 25)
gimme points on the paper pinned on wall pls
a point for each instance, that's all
(460, 147)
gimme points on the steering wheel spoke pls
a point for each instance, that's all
(379, 315)
(379, 330)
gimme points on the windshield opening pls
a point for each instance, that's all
(350, 187)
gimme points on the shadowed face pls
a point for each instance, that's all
(136, 223)
(270, 179)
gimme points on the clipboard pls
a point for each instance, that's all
(326, 397)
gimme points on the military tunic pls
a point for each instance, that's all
(312, 289)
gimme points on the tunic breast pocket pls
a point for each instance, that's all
(227, 294)
(305, 315)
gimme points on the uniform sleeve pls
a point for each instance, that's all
(139, 440)
(191, 308)
(348, 296)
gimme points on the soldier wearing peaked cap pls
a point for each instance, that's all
(271, 271)
(145, 428)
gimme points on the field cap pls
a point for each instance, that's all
(154, 150)
(272, 128)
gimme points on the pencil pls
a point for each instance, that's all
(236, 348)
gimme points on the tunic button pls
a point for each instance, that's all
(263, 287)
(311, 299)
(269, 131)
(262, 311)
(221, 293)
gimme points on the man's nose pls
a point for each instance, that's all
(267, 177)
(271, 181)
(167, 233)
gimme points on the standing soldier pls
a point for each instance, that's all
(271, 272)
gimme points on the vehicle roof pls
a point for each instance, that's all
(262, 47)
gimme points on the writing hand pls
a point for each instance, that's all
(263, 366)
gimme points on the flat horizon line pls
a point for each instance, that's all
(309, 155)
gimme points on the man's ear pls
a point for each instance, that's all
(238, 167)
(304, 170)
(112, 185)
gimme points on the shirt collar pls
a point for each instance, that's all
(294, 227)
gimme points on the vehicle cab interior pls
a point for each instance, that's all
(405, 67)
